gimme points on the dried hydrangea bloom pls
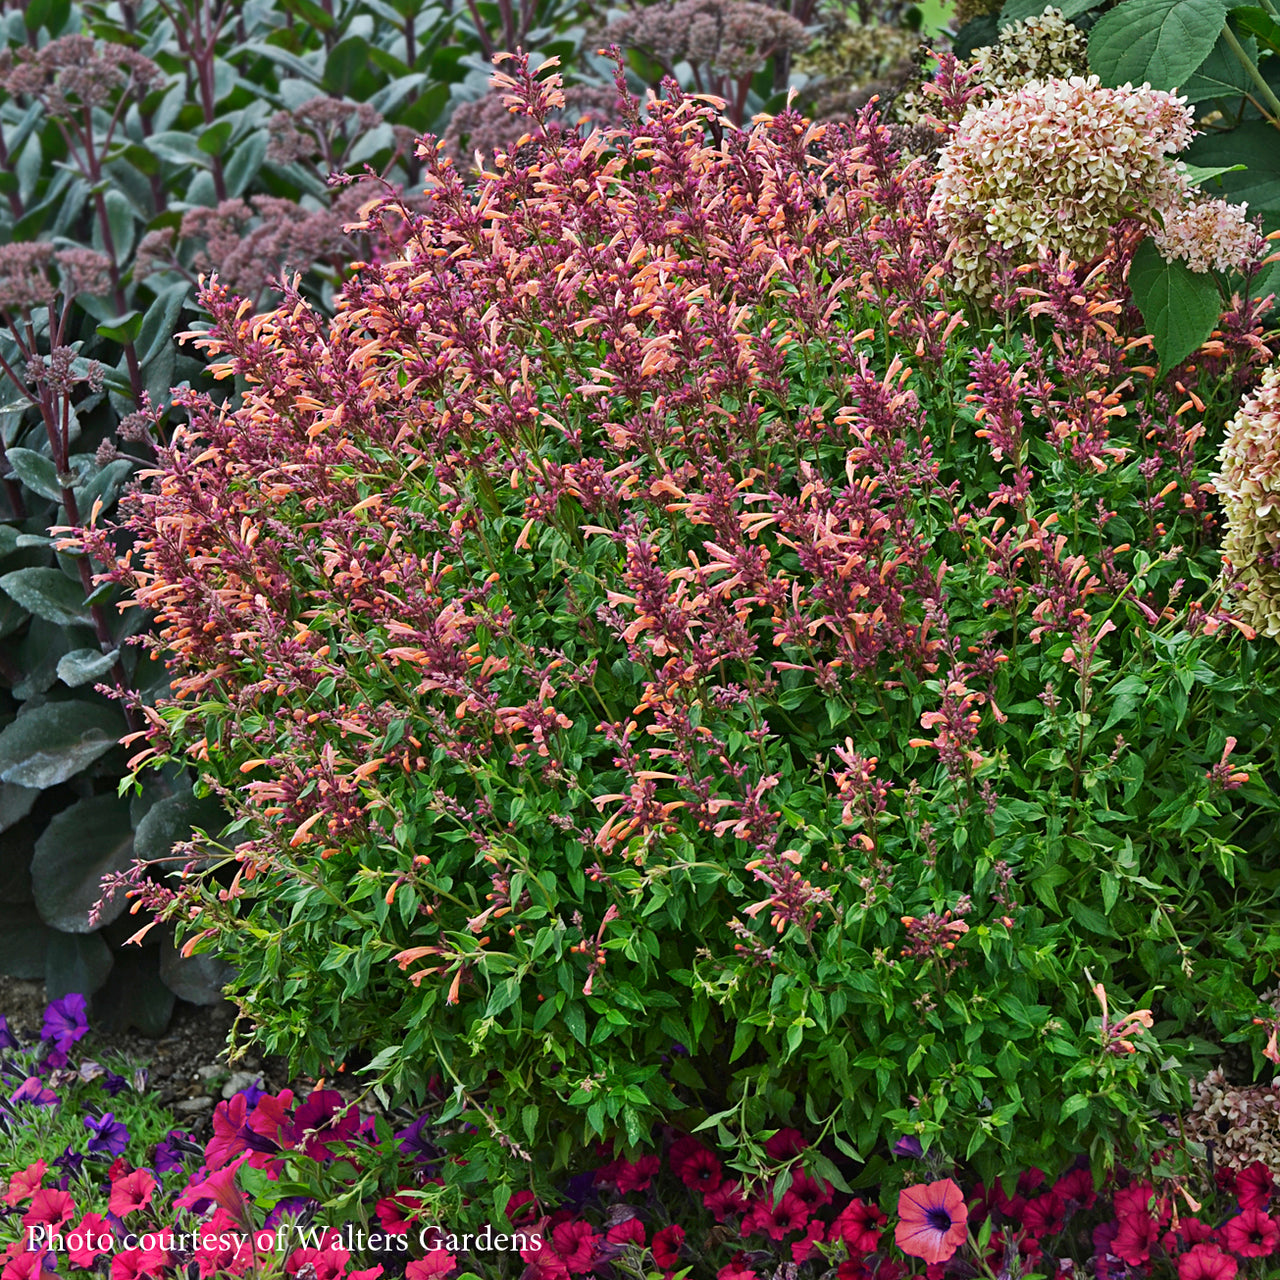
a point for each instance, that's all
(732, 37)
(1210, 234)
(1043, 48)
(488, 125)
(1050, 168)
(1242, 1121)
(323, 128)
(1248, 486)
(69, 74)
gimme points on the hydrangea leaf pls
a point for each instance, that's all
(1221, 74)
(1021, 10)
(1161, 42)
(1253, 145)
(56, 741)
(1180, 308)
(84, 842)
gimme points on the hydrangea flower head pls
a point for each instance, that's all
(1052, 167)
(1248, 486)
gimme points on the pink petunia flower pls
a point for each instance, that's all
(228, 1139)
(93, 1239)
(24, 1265)
(932, 1220)
(632, 1176)
(436, 1263)
(785, 1144)
(1254, 1186)
(131, 1192)
(49, 1208)
(26, 1183)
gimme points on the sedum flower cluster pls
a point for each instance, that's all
(1052, 167)
(1249, 488)
(1043, 48)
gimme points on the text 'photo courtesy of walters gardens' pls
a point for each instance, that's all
(639, 642)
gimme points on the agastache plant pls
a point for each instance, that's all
(541, 617)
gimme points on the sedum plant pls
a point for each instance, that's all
(675, 660)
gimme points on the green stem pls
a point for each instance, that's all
(1265, 91)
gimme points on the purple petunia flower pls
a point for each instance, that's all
(251, 1093)
(7, 1039)
(413, 1140)
(171, 1149)
(69, 1162)
(110, 1136)
(31, 1090)
(113, 1083)
(299, 1208)
(908, 1145)
(65, 1021)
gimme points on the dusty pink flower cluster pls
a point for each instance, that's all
(1052, 167)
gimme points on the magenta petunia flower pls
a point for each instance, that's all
(49, 1208)
(776, 1220)
(575, 1243)
(858, 1224)
(932, 1220)
(1252, 1234)
(1206, 1262)
(31, 1090)
(329, 1119)
(1254, 1186)
(132, 1192)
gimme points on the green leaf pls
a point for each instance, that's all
(1253, 145)
(134, 995)
(122, 329)
(345, 61)
(79, 962)
(1161, 42)
(177, 148)
(199, 979)
(120, 219)
(245, 161)
(49, 594)
(37, 472)
(1260, 23)
(160, 321)
(576, 1021)
(92, 838)
(56, 741)
(213, 141)
(975, 34)
(1020, 10)
(15, 803)
(24, 942)
(1198, 176)
(1221, 74)
(82, 666)
(1179, 307)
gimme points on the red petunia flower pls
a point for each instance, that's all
(737, 1269)
(1206, 1262)
(776, 1220)
(1251, 1234)
(1044, 1215)
(629, 1232)
(932, 1220)
(1135, 1236)
(858, 1225)
(699, 1170)
(326, 1264)
(24, 1265)
(785, 1143)
(1254, 1185)
(666, 1247)
(632, 1176)
(393, 1213)
(131, 1192)
(805, 1248)
(727, 1198)
(1076, 1188)
(576, 1243)
(815, 1194)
